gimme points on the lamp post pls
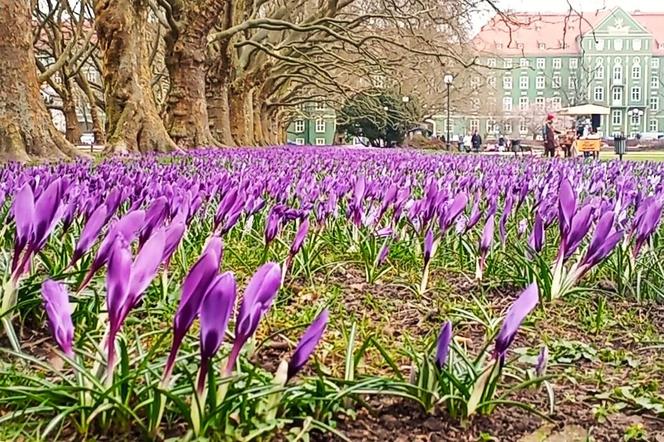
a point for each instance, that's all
(448, 79)
(635, 113)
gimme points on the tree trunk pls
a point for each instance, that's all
(238, 121)
(186, 106)
(219, 111)
(73, 130)
(133, 122)
(26, 130)
(97, 126)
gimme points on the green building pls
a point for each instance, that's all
(314, 124)
(534, 64)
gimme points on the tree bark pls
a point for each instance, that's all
(132, 118)
(26, 129)
(219, 110)
(187, 117)
(97, 126)
(238, 121)
(73, 130)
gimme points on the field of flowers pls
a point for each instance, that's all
(331, 294)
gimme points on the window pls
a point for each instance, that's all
(523, 127)
(617, 73)
(599, 44)
(599, 72)
(475, 82)
(557, 63)
(617, 96)
(507, 63)
(599, 93)
(616, 117)
(523, 83)
(541, 46)
(556, 81)
(507, 127)
(636, 94)
(523, 103)
(492, 81)
(539, 102)
(541, 63)
(507, 104)
(618, 44)
(556, 103)
(491, 62)
(490, 126)
(320, 142)
(654, 81)
(299, 141)
(636, 72)
(571, 83)
(636, 44)
(507, 83)
(636, 119)
(474, 125)
(573, 63)
(524, 63)
(91, 75)
(653, 126)
(320, 105)
(539, 83)
(299, 126)
(320, 126)
(654, 104)
(654, 63)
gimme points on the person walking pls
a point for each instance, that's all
(467, 141)
(476, 141)
(550, 138)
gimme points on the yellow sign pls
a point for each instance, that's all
(588, 145)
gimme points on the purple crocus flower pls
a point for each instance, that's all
(578, 229)
(536, 240)
(486, 239)
(195, 287)
(58, 312)
(566, 207)
(174, 234)
(24, 212)
(517, 312)
(215, 312)
(258, 297)
(90, 233)
(307, 344)
(272, 227)
(300, 236)
(645, 223)
(154, 218)
(443, 344)
(542, 360)
(383, 254)
(604, 240)
(427, 250)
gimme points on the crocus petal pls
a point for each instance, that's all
(90, 232)
(299, 237)
(578, 230)
(428, 247)
(24, 213)
(443, 344)
(308, 343)
(145, 265)
(174, 235)
(566, 206)
(487, 236)
(517, 312)
(47, 214)
(215, 312)
(58, 311)
(117, 283)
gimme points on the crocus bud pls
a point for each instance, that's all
(443, 344)
(58, 312)
(308, 343)
(517, 312)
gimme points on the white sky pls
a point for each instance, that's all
(563, 6)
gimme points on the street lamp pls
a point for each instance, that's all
(635, 113)
(448, 79)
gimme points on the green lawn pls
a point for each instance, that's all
(634, 156)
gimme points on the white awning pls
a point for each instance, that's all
(585, 109)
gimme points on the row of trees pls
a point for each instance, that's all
(176, 74)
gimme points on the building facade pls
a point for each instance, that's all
(313, 124)
(531, 65)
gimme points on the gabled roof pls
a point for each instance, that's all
(515, 34)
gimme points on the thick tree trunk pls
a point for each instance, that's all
(133, 122)
(238, 112)
(219, 112)
(73, 130)
(26, 129)
(186, 106)
(97, 126)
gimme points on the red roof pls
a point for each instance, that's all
(515, 34)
